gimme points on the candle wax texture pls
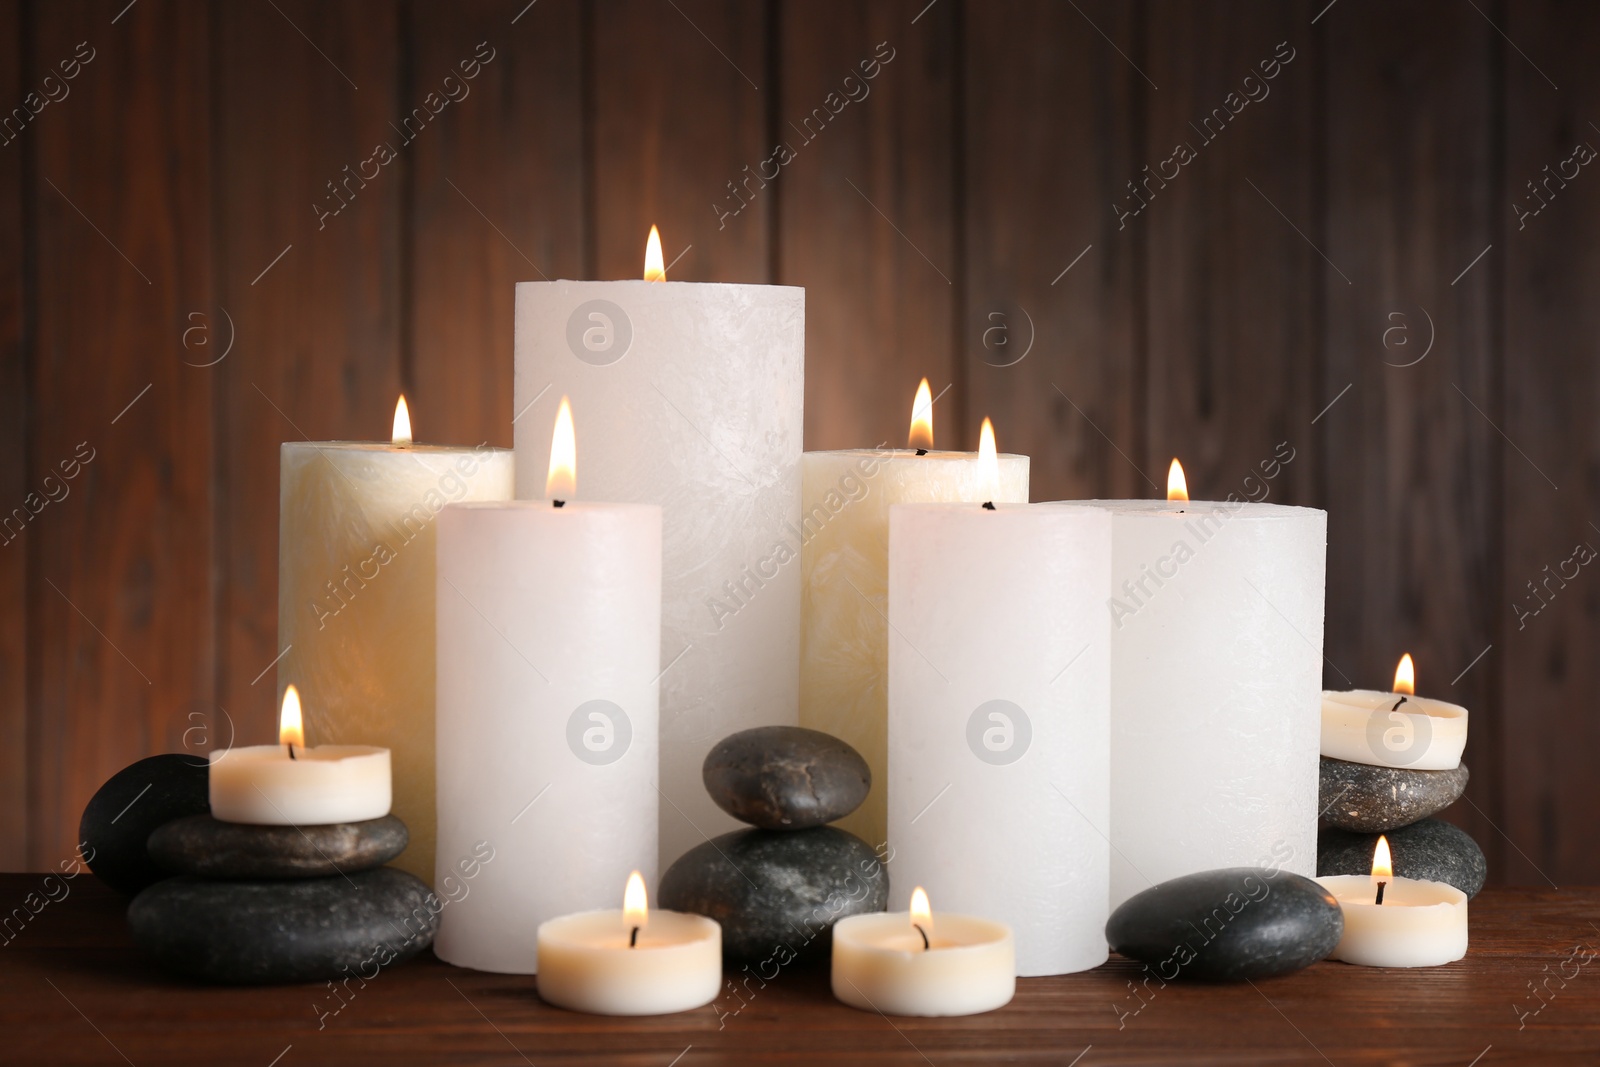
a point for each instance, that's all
(549, 652)
(1368, 726)
(879, 964)
(587, 965)
(844, 644)
(1216, 612)
(326, 784)
(356, 599)
(999, 706)
(686, 395)
(1419, 924)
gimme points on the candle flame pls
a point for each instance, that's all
(1177, 484)
(921, 910)
(562, 482)
(988, 463)
(1405, 676)
(1382, 865)
(655, 269)
(635, 906)
(290, 729)
(922, 418)
(402, 422)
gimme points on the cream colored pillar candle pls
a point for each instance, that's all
(844, 562)
(691, 397)
(356, 598)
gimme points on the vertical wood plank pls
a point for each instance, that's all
(1049, 133)
(1548, 615)
(498, 199)
(121, 592)
(867, 221)
(14, 419)
(680, 99)
(1412, 459)
(309, 271)
(1231, 286)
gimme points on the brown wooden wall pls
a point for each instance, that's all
(172, 305)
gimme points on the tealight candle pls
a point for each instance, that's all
(632, 961)
(288, 784)
(908, 963)
(1397, 729)
(1398, 922)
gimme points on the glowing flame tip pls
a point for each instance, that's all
(1382, 865)
(291, 730)
(921, 910)
(922, 418)
(402, 422)
(562, 481)
(1177, 484)
(635, 906)
(1405, 676)
(655, 268)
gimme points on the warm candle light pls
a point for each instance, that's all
(655, 269)
(1405, 676)
(402, 422)
(291, 732)
(1177, 484)
(921, 914)
(988, 465)
(921, 437)
(1382, 866)
(561, 484)
(635, 906)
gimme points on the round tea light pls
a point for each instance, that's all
(1398, 729)
(1397, 922)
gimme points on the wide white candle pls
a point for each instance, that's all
(844, 561)
(1216, 611)
(631, 961)
(549, 645)
(999, 700)
(288, 784)
(1394, 729)
(692, 397)
(356, 596)
(1419, 923)
(882, 962)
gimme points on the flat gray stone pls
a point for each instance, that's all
(786, 777)
(1429, 850)
(120, 816)
(209, 848)
(1367, 799)
(273, 932)
(1228, 925)
(776, 893)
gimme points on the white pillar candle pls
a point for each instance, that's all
(999, 698)
(356, 596)
(549, 646)
(692, 398)
(882, 962)
(1394, 729)
(288, 784)
(1216, 611)
(632, 961)
(1419, 923)
(844, 537)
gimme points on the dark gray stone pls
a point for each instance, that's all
(1356, 796)
(1228, 925)
(786, 777)
(209, 848)
(777, 894)
(119, 818)
(1430, 850)
(272, 932)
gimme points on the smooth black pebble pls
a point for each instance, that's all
(119, 818)
(786, 777)
(1356, 796)
(209, 848)
(1430, 850)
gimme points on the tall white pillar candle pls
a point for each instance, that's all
(999, 704)
(1216, 612)
(356, 598)
(549, 644)
(690, 396)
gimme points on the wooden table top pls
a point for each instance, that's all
(74, 990)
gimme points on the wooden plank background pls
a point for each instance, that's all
(979, 212)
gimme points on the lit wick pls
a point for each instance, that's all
(559, 503)
(1397, 704)
(924, 934)
(1380, 892)
(291, 750)
(988, 505)
(633, 938)
(922, 451)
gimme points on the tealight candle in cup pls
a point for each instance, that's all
(630, 962)
(1397, 729)
(909, 963)
(1397, 922)
(289, 784)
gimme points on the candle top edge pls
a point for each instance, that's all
(1381, 700)
(390, 446)
(1256, 509)
(1395, 884)
(669, 281)
(305, 753)
(906, 453)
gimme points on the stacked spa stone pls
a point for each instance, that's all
(1361, 801)
(251, 904)
(778, 889)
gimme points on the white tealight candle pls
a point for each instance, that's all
(1397, 729)
(288, 784)
(630, 962)
(1398, 922)
(909, 963)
